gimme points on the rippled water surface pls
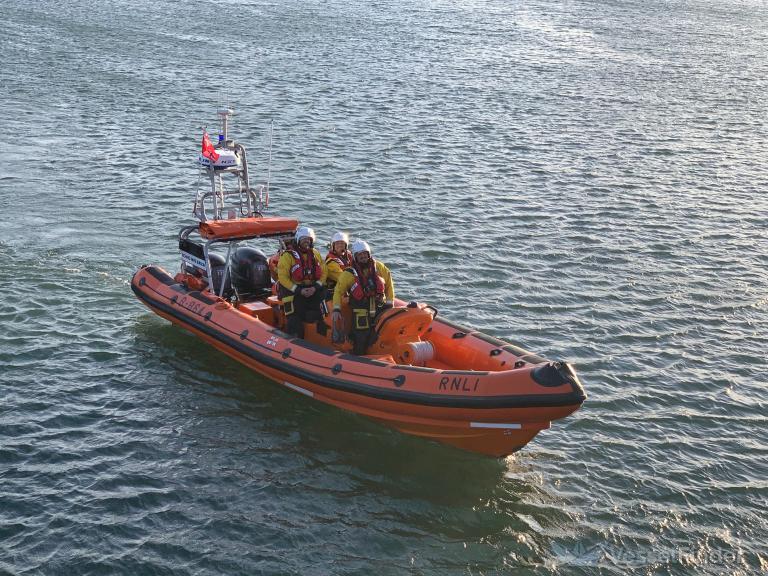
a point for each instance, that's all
(584, 178)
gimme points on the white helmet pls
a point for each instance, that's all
(305, 232)
(340, 237)
(360, 246)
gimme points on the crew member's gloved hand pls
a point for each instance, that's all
(337, 322)
(308, 291)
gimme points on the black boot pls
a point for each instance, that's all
(360, 342)
(294, 326)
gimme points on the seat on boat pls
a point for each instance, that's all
(259, 309)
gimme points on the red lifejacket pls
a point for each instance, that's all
(370, 286)
(305, 268)
(342, 262)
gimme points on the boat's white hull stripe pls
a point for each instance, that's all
(299, 389)
(495, 425)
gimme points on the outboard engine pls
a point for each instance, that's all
(218, 267)
(250, 275)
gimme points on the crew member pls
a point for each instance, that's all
(369, 285)
(301, 274)
(286, 243)
(337, 260)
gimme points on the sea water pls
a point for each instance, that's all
(584, 178)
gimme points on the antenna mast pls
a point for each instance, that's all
(224, 115)
(269, 164)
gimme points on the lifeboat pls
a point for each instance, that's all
(423, 375)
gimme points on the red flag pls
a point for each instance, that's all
(208, 150)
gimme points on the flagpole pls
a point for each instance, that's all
(269, 164)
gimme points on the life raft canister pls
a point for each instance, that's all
(301, 272)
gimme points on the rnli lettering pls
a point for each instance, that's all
(191, 304)
(459, 384)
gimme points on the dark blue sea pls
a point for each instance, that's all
(585, 178)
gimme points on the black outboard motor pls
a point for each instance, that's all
(218, 267)
(249, 271)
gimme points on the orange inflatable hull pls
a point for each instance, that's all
(495, 406)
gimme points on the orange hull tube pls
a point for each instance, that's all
(493, 411)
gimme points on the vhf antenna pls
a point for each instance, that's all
(269, 164)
